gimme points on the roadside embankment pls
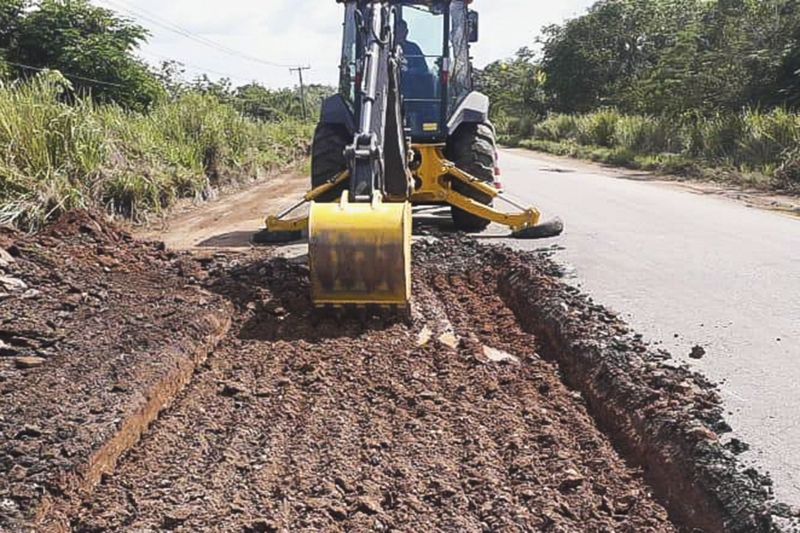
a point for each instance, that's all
(59, 152)
(752, 148)
(98, 334)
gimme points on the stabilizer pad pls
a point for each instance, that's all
(277, 237)
(545, 230)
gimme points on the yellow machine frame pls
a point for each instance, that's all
(435, 186)
(360, 253)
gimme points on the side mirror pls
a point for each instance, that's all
(473, 22)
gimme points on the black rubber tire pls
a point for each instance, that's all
(473, 149)
(327, 158)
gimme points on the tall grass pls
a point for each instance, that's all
(59, 153)
(750, 141)
(557, 128)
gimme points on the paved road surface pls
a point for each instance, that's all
(686, 269)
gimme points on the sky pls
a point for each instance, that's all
(281, 33)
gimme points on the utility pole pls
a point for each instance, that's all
(299, 71)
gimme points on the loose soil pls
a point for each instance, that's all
(306, 422)
(96, 337)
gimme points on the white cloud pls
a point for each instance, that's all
(306, 32)
(508, 25)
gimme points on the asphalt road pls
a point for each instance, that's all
(687, 268)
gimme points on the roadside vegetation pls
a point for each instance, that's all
(756, 148)
(57, 155)
(86, 124)
(695, 87)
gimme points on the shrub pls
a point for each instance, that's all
(556, 128)
(788, 171)
(767, 137)
(522, 126)
(597, 128)
(623, 157)
(759, 147)
(714, 138)
(48, 149)
(56, 156)
(646, 135)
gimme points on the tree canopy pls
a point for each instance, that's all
(95, 49)
(660, 56)
(259, 102)
(90, 45)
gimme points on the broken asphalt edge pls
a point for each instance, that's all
(701, 483)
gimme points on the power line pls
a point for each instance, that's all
(196, 68)
(172, 27)
(65, 74)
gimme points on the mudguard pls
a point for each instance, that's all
(474, 109)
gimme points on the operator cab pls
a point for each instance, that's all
(436, 73)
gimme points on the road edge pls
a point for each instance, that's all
(665, 419)
(773, 201)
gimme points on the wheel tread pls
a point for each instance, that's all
(327, 158)
(472, 149)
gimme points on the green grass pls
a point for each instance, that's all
(59, 153)
(753, 147)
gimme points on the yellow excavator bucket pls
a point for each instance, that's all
(360, 253)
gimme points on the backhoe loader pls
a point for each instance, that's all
(405, 129)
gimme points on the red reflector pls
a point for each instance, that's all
(498, 185)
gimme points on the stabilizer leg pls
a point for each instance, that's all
(437, 176)
(280, 230)
(525, 224)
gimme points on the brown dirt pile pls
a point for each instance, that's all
(301, 420)
(311, 422)
(95, 331)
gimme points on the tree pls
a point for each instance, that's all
(10, 16)
(82, 41)
(674, 56)
(515, 87)
(222, 89)
(10, 13)
(597, 59)
(585, 57)
(170, 75)
(257, 101)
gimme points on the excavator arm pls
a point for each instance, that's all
(360, 247)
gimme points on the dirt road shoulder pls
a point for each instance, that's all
(230, 220)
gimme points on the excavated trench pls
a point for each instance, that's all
(477, 417)
(509, 403)
(318, 423)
